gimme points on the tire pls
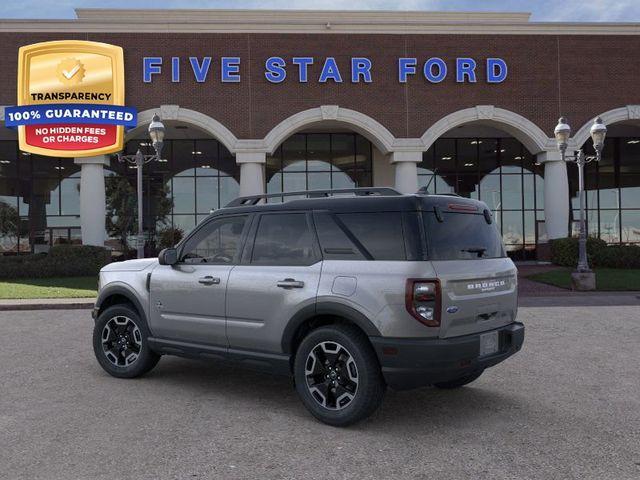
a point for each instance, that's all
(337, 375)
(120, 343)
(459, 382)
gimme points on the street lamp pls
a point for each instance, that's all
(562, 133)
(156, 133)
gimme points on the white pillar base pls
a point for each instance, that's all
(556, 195)
(406, 171)
(93, 209)
(251, 172)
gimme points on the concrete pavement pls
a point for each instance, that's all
(567, 406)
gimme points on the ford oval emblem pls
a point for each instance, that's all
(452, 309)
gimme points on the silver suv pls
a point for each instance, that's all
(347, 294)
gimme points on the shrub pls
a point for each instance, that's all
(61, 261)
(564, 252)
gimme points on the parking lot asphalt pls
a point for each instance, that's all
(567, 406)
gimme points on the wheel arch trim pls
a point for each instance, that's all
(326, 308)
(120, 289)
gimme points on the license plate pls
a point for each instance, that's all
(488, 343)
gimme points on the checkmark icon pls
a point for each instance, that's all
(71, 73)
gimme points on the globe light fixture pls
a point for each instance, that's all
(583, 278)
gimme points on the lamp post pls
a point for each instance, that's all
(598, 132)
(156, 133)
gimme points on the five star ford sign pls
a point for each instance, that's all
(70, 99)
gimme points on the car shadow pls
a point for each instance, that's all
(401, 410)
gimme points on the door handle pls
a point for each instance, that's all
(209, 280)
(290, 283)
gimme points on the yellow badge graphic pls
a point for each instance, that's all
(70, 71)
(71, 99)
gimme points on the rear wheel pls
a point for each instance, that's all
(459, 382)
(120, 343)
(338, 376)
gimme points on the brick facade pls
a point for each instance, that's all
(575, 75)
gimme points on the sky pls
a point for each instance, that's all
(542, 10)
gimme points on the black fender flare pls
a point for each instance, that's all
(326, 308)
(119, 289)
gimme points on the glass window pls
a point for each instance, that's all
(283, 239)
(610, 226)
(512, 228)
(631, 226)
(334, 242)
(445, 241)
(313, 161)
(183, 190)
(294, 153)
(512, 192)
(207, 194)
(445, 156)
(216, 243)
(379, 233)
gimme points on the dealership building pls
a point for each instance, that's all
(277, 101)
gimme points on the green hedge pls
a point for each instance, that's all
(564, 252)
(61, 261)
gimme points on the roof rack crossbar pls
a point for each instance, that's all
(360, 192)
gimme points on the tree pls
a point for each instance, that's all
(122, 208)
(9, 221)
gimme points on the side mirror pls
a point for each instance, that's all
(168, 256)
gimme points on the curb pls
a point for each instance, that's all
(9, 305)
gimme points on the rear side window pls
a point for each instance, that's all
(283, 239)
(379, 233)
(461, 236)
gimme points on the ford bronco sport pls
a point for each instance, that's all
(347, 294)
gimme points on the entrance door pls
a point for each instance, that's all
(279, 276)
(187, 300)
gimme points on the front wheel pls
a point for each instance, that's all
(459, 382)
(338, 376)
(120, 343)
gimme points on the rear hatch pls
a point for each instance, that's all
(478, 282)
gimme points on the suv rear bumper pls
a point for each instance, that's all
(410, 363)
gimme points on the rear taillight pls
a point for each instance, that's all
(422, 298)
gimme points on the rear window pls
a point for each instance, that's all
(461, 236)
(379, 233)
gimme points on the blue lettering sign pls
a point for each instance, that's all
(303, 64)
(496, 70)
(230, 69)
(360, 67)
(200, 71)
(406, 66)
(151, 66)
(465, 67)
(331, 71)
(175, 69)
(428, 70)
(275, 69)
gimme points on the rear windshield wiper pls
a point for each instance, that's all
(479, 250)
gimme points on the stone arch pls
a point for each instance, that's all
(197, 119)
(622, 114)
(527, 132)
(382, 138)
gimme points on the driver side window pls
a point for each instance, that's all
(217, 243)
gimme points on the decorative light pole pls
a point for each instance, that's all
(156, 133)
(598, 132)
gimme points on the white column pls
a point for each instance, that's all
(556, 194)
(251, 172)
(406, 167)
(93, 209)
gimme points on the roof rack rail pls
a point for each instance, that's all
(425, 191)
(359, 192)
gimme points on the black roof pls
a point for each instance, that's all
(373, 203)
